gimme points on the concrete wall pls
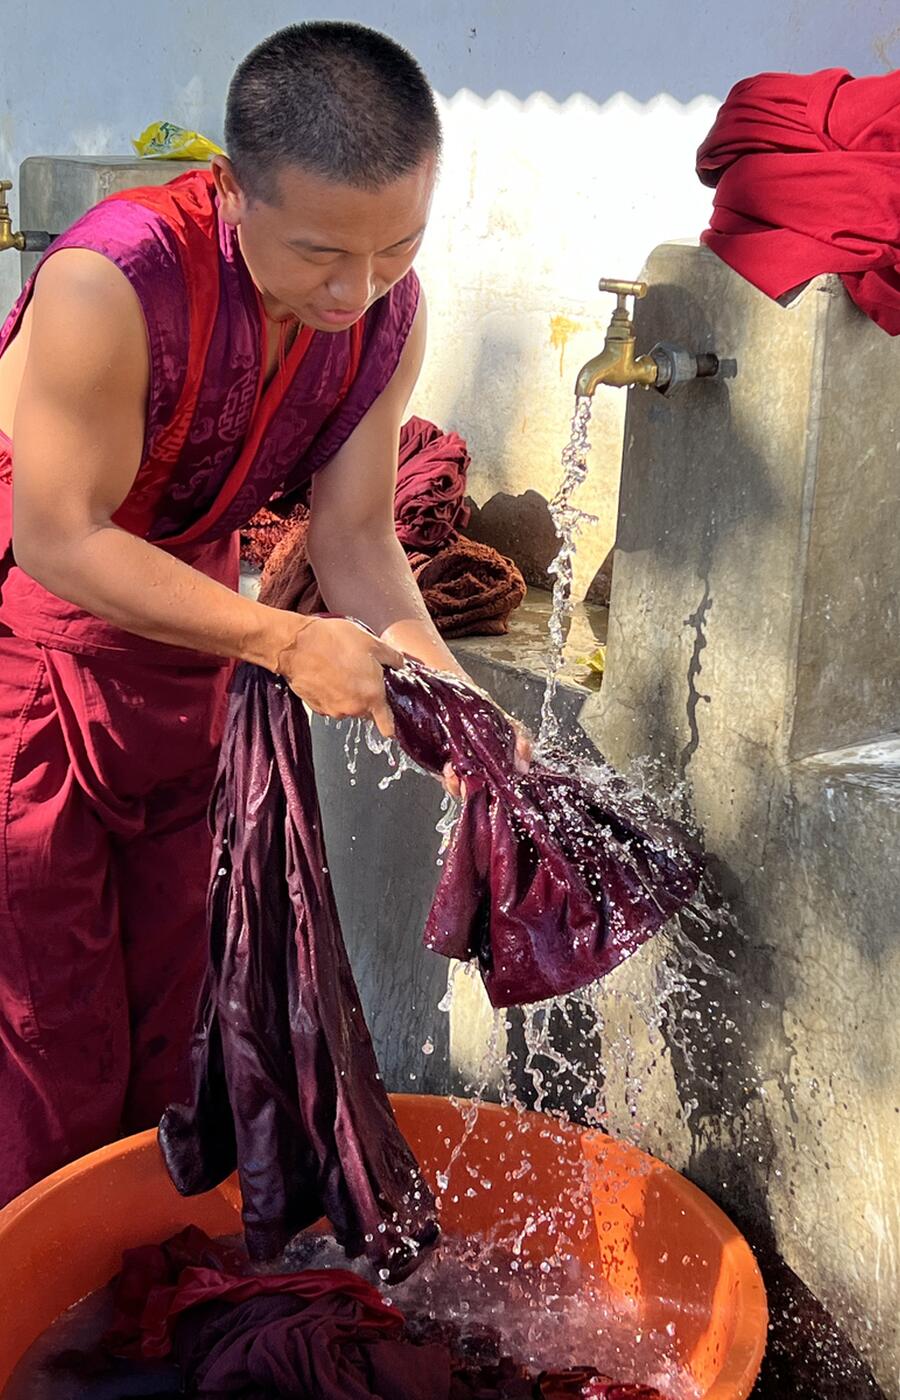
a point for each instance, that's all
(570, 137)
(751, 651)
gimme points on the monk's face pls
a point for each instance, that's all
(322, 251)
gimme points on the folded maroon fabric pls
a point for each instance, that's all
(286, 1087)
(288, 580)
(806, 169)
(551, 879)
(429, 503)
(469, 589)
(265, 532)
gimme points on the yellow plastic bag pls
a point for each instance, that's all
(166, 141)
(596, 662)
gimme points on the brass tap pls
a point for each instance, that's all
(8, 239)
(616, 364)
(666, 368)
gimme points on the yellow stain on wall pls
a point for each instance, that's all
(562, 328)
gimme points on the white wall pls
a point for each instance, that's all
(571, 129)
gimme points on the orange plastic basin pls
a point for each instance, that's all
(644, 1230)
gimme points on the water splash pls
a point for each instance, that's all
(351, 747)
(450, 810)
(544, 1314)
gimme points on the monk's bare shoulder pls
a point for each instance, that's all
(82, 403)
(87, 327)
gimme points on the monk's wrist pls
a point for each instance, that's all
(276, 640)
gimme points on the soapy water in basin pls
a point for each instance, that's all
(539, 1315)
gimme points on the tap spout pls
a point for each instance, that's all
(616, 366)
(24, 241)
(8, 237)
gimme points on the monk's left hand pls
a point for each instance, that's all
(524, 753)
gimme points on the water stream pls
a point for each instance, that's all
(568, 520)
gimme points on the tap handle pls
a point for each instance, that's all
(5, 185)
(623, 289)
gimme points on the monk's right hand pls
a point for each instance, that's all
(337, 669)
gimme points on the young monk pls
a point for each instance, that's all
(183, 356)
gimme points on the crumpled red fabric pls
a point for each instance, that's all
(468, 588)
(429, 502)
(551, 879)
(319, 1334)
(265, 532)
(806, 169)
(286, 1087)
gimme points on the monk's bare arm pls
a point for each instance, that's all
(360, 565)
(78, 437)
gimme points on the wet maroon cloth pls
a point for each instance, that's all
(429, 503)
(806, 169)
(285, 1084)
(551, 879)
(549, 882)
(323, 1334)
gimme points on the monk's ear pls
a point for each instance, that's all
(232, 201)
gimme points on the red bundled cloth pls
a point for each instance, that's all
(429, 502)
(287, 579)
(468, 588)
(321, 1334)
(806, 170)
(265, 532)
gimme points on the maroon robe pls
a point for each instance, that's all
(108, 742)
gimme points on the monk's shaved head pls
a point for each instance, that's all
(334, 99)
